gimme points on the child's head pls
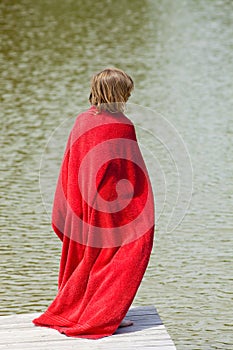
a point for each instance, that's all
(110, 89)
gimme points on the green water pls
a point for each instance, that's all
(180, 56)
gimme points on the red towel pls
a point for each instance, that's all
(103, 213)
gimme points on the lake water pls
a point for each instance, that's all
(180, 56)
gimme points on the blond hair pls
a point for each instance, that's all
(110, 89)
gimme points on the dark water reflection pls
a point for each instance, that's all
(179, 54)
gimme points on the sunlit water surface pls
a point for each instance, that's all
(179, 54)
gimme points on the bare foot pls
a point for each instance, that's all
(125, 323)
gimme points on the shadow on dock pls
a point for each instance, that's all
(143, 317)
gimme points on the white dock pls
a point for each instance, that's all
(148, 332)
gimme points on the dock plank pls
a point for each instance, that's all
(17, 332)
